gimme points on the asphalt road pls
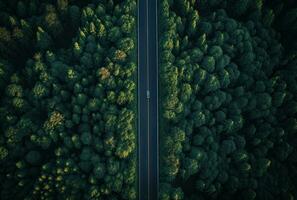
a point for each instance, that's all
(147, 100)
(142, 102)
(153, 101)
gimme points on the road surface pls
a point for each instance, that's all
(147, 100)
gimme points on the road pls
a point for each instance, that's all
(148, 100)
(153, 103)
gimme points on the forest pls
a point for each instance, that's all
(68, 99)
(228, 72)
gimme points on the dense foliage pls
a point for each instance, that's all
(228, 85)
(67, 105)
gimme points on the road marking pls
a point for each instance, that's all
(157, 88)
(148, 106)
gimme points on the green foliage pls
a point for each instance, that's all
(33, 157)
(227, 80)
(3, 153)
(67, 110)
